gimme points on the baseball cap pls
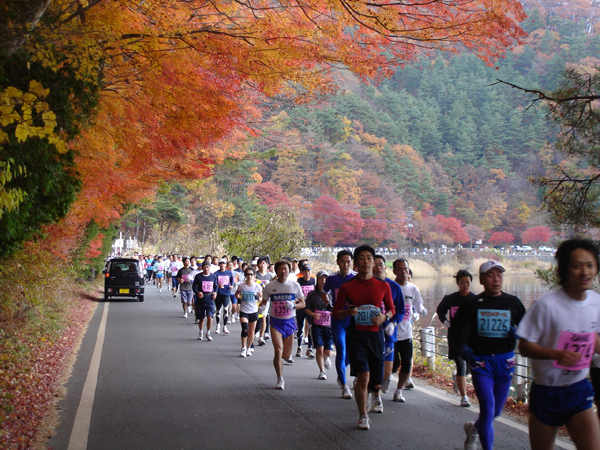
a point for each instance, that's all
(305, 267)
(205, 263)
(321, 273)
(222, 261)
(294, 259)
(489, 265)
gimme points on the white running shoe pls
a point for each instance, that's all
(299, 352)
(322, 375)
(472, 435)
(280, 383)
(218, 330)
(267, 336)
(310, 354)
(244, 352)
(232, 319)
(346, 392)
(261, 341)
(160, 290)
(225, 330)
(289, 360)
(250, 351)
(385, 386)
(409, 385)
(208, 337)
(364, 423)
(196, 321)
(200, 336)
(185, 315)
(398, 397)
(174, 295)
(378, 406)
(327, 363)
(189, 309)
(464, 401)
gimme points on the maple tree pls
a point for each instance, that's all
(335, 224)
(536, 235)
(501, 237)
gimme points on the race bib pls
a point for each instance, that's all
(582, 343)
(306, 289)
(453, 310)
(494, 323)
(186, 278)
(407, 313)
(174, 270)
(223, 279)
(160, 267)
(279, 309)
(365, 314)
(323, 318)
(207, 286)
(248, 296)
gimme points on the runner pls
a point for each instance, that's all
(185, 278)
(233, 306)
(445, 311)
(339, 327)
(307, 284)
(413, 302)
(264, 278)
(224, 282)
(248, 293)
(205, 288)
(319, 317)
(390, 328)
(285, 296)
(159, 270)
(176, 264)
(488, 347)
(560, 334)
(362, 298)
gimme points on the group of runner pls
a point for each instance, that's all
(368, 318)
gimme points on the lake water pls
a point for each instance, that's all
(527, 287)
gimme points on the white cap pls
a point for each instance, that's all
(489, 265)
(224, 261)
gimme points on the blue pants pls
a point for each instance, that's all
(340, 328)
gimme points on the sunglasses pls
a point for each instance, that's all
(249, 274)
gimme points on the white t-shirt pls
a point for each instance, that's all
(248, 302)
(175, 266)
(279, 293)
(412, 299)
(555, 320)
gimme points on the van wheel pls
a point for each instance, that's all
(141, 298)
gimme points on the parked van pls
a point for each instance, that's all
(123, 278)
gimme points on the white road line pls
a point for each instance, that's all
(81, 426)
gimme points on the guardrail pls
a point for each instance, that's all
(432, 344)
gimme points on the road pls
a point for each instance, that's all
(143, 381)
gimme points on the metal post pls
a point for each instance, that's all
(428, 345)
(520, 377)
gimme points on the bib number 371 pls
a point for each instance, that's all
(365, 314)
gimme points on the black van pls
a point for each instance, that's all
(123, 278)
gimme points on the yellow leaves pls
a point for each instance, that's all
(10, 198)
(30, 115)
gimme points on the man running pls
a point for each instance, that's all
(185, 279)
(363, 298)
(285, 296)
(339, 327)
(205, 288)
(224, 282)
(264, 277)
(307, 284)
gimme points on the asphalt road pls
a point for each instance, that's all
(158, 387)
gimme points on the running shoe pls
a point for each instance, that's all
(364, 423)
(267, 336)
(232, 319)
(464, 401)
(398, 397)
(310, 354)
(160, 290)
(208, 337)
(280, 383)
(289, 360)
(455, 386)
(218, 330)
(472, 435)
(185, 315)
(409, 385)
(346, 392)
(322, 375)
(327, 363)
(299, 352)
(174, 295)
(378, 406)
(196, 321)
(261, 341)
(250, 351)
(200, 336)
(225, 330)
(244, 352)
(189, 309)
(385, 386)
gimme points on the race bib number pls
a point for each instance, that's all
(223, 280)
(365, 314)
(323, 318)
(207, 286)
(407, 313)
(453, 310)
(174, 270)
(160, 267)
(494, 323)
(306, 289)
(279, 309)
(248, 296)
(582, 343)
(186, 278)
